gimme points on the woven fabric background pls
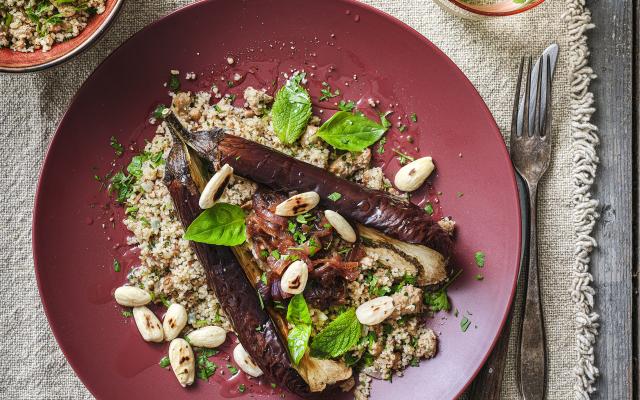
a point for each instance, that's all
(488, 51)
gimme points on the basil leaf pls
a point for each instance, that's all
(351, 132)
(298, 312)
(338, 337)
(297, 341)
(223, 224)
(291, 110)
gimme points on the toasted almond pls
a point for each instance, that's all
(215, 187)
(174, 321)
(298, 204)
(148, 324)
(131, 296)
(183, 362)
(412, 176)
(208, 336)
(244, 361)
(341, 226)
(294, 279)
(375, 310)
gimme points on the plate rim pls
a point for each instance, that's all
(353, 3)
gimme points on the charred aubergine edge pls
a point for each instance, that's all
(376, 209)
(237, 296)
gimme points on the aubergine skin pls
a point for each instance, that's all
(226, 277)
(404, 221)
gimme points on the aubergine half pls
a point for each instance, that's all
(232, 275)
(375, 209)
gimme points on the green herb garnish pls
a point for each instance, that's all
(326, 94)
(232, 369)
(479, 257)
(117, 147)
(127, 314)
(464, 324)
(479, 277)
(223, 224)
(381, 144)
(335, 196)
(164, 362)
(291, 110)
(346, 106)
(275, 254)
(174, 83)
(206, 368)
(338, 337)
(298, 338)
(241, 388)
(116, 265)
(428, 208)
(159, 111)
(351, 132)
(414, 117)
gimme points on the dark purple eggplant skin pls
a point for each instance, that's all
(404, 221)
(231, 286)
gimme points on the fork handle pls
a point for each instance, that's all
(531, 361)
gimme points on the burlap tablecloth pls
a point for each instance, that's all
(488, 51)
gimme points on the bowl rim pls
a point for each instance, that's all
(84, 45)
(489, 13)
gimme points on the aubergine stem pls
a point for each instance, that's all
(373, 208)
(232, 288)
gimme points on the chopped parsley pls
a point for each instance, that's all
(414, 117)
(264, 253)
(479, 256)
(232, 369)
(402, 128)
(403, 158)
(346, 106)
(275, 254)
(241, 388)
(479, 277)
(159, 111)
(335, 196)
(117, 146)
(273, 385)
(164, 362)
(263, 277)
(439, 300)
(381, 144)
(174, 82)
(116, 265)
(326, 92)
(464, 324)
(206, 368)
(428, 208)
(127, 314)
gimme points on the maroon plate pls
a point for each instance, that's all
(74, 241)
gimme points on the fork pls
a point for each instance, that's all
(531, 154)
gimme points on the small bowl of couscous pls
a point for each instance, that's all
(38, 34)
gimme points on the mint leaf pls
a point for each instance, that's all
(298, 337)
(223, 224)
(291, 110)
(298, 311)
(338, 337)
(351, 132)
(297, 341)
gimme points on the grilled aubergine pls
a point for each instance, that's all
(375, 209)
(233, 278)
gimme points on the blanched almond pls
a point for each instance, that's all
(341, 226)
(215, 187)
(412, 176)
(294, 279)
(131, 296)
(298, 204)
(174, 321)
(244, 361)
(183, 362)
(208, 336)
(375, 310)
(148, 324)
